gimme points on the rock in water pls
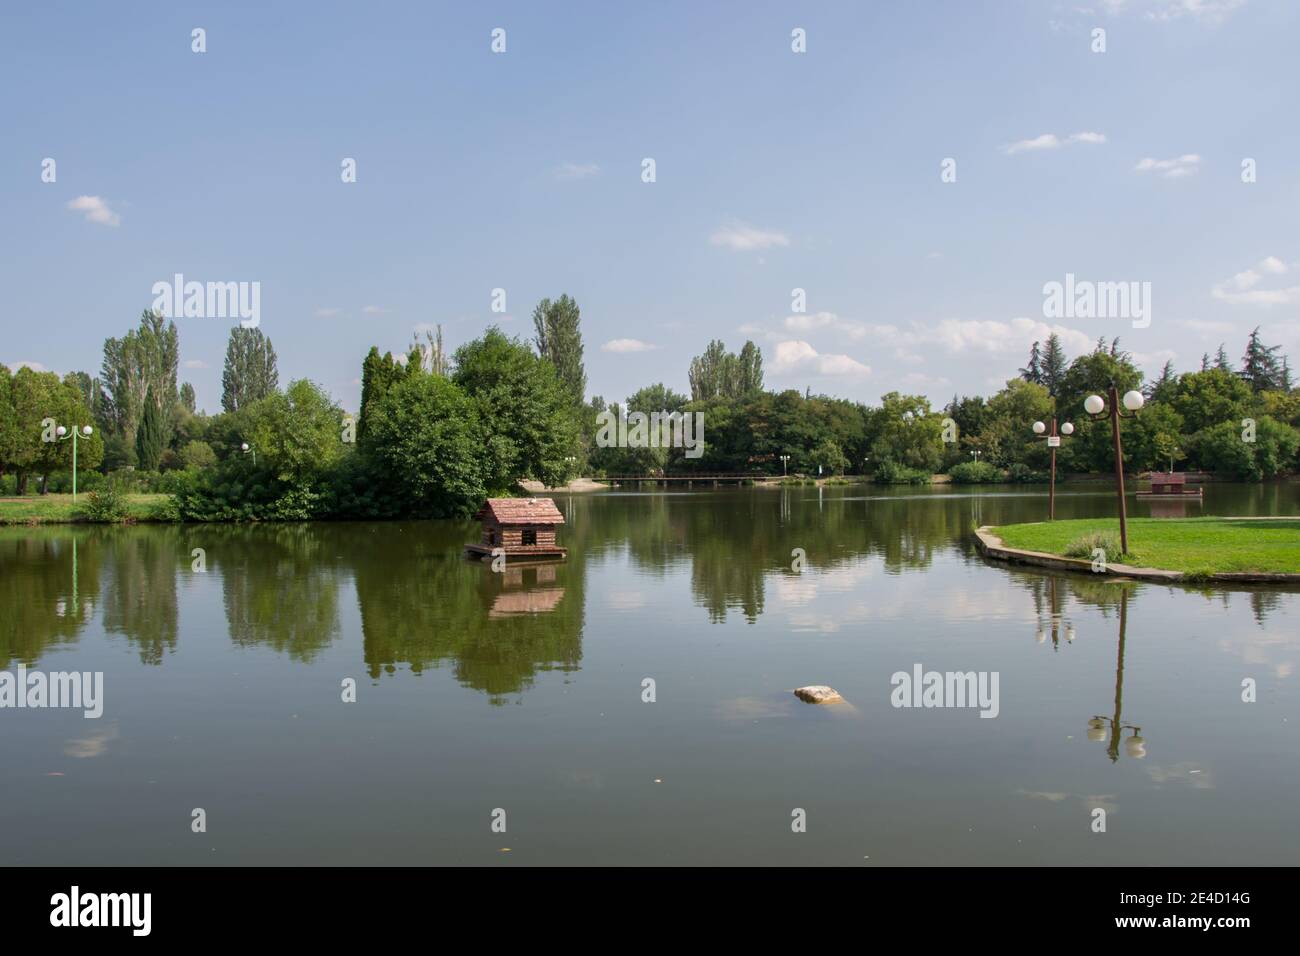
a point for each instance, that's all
(818, 694)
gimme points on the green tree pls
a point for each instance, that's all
(904, 432)
(40, 402)
(141, 363)
(1054, 365)
(149, 440)
(1260, 366)
(526, 410)
(1205, 399)
(187, 397)
(196, 455)
(426, 433)
(250, 372)
(559, 341)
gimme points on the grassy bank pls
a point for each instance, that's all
(59, 509)
(1195, 546)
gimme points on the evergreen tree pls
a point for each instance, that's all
(1259, 366)
(1221, 360)
(1033, 372)
(150, 440)
(250, 372)
(559, 341)
(1161, 389)
(1205, 361)
(1053, 365)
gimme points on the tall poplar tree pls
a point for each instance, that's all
(250, 372)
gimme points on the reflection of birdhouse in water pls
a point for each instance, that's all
(524, 592)
(520, 527)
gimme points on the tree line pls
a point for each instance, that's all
(436, 432)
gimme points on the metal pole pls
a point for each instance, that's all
(74, 464)
(1051, 488)
(1119, 469)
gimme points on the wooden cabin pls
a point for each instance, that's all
(521, 527)
(1169, 484)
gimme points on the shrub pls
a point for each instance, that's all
(1084, 545)
(975, 473)
(1023, 474)
(892, 473)
(107, 504)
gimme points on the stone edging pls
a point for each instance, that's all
(991, 546)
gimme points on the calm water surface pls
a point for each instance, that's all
(523, 691)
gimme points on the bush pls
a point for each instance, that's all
(892, 473)
(1023, 474)
(108, 504)
(975, 473)
(1084, 545)
(196, 455)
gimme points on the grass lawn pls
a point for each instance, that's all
(58, 509)
(1196, 546)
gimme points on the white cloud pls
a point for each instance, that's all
(1210, 12)
(1004, 338)
(570, 171)
(1184, 165)
(1241, 288)
(96, 210)
(326, 313)
(1052, 141)
(34, 366)
(746, 238)
(798, 356)
(194, 363)
(627, 345)
(374, 310)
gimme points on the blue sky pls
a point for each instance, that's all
(775, 171)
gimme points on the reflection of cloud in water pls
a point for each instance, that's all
(1044, 795)
(626, 600)
(93, 745)
(1191, 774)
(1273, 649)
(583, 779)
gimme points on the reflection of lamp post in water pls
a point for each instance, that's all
(1054, 613)
(1135, 746)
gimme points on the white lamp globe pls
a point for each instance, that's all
(1094, 405)
(1096, 729)
(1067, 429)
(87, 430)
(244, 447)
(1135, 747)
(1039, 428)
(60, 431)
(1133, 400)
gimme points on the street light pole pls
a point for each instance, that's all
(62, 433)
(1095, 406)
(1053, 442)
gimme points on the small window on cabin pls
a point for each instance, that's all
(492, 537)
(530, 536)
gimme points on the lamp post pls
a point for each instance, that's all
(976, 455)
(246, 448)
(85, 432)
(784, 464)
(1096, 408)
(1053, 442)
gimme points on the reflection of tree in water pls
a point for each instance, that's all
(39, 608)
(140, 586)
(422, 603)
(279, 583)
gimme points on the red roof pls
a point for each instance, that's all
(521, 511)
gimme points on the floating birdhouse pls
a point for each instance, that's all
(520, 527)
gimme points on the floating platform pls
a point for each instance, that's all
(517, 555)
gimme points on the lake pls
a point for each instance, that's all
(524, 692)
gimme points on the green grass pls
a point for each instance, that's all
(1195, 546)
(59, 509)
